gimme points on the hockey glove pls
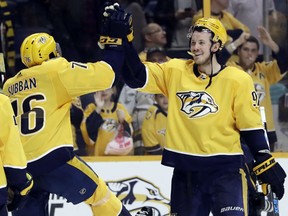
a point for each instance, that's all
(118, 22)
(117, 27)
(16, 198)
(268, 171)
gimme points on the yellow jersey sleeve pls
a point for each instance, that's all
(12, 152)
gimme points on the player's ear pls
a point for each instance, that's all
(215, 47)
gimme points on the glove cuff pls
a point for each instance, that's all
(109, 42)
(269, 161)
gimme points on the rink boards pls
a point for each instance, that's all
(138, 181)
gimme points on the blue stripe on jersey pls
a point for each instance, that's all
(16, 177)
(51, 161)
(255, 140)
(134, 72)
(196, 163)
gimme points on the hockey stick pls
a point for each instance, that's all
(273, 203)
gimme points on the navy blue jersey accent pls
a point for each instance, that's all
(197, 163)
(255, 140)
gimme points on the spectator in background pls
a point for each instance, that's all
(153, 36)
(139, 20)
(154, 126)
(106, 126)
(264, 74)
(250, 13)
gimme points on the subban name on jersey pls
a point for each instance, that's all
(22, 85)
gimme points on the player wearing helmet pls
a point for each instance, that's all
(210, 107)
(41, 96)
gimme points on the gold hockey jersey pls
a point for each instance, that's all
(203, 124)
(12, 155)
(41, 97)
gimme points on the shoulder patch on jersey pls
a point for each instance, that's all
(197, 104)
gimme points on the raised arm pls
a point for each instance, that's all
(277, 52)
(118, 25)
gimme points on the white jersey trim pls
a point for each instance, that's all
(208, 155)
(251, 129)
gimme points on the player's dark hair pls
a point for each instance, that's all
(252, 39)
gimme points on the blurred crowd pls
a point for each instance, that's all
(120, 120)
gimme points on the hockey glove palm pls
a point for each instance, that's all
(17, 199)
(268, 171)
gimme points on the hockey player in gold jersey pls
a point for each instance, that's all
(13, 163)
(41, 96)
(210, 107)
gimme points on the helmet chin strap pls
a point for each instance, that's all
(212, 53)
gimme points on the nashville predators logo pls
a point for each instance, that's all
(136, 192)
(197, 104)
(109, 125)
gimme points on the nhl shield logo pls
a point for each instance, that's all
(197, 104)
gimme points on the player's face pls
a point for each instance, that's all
(248, 54)
(200, 47)
(162, 101)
